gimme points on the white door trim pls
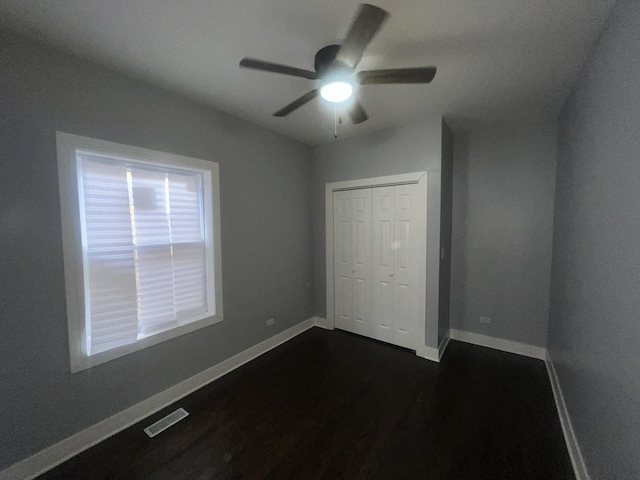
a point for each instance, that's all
(419, 178)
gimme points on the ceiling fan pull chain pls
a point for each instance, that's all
(335, 121)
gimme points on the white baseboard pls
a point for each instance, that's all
(322, 323)
(58, 453)
(579, 467)
(434, 354)
(499, 344)
(444, 344)
(428, 353)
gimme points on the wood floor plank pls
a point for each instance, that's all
(332, 405)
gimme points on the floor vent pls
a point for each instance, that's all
(164, 423)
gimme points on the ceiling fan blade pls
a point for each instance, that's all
(397, 75)
(277, 68)
(357, 113)
(366, 24)
(307, 97)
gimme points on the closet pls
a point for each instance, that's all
(379, 262)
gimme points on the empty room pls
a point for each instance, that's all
(319, 239)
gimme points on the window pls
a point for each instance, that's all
(141, 244)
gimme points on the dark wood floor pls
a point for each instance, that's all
(331, 405)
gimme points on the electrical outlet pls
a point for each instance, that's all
(485, 320)
(270, 322)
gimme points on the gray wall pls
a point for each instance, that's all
(446, 198)
(266, 239)
(503, 194)
(411, 148)
(594, 326)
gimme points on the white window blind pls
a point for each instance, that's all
(144, 249)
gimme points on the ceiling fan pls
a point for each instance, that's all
(335, 66)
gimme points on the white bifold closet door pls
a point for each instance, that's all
(378, 234)
(352, 253)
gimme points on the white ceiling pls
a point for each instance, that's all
(497, 59)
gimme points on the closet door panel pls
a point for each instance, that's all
(382, 199)
(406, 272)
(361, 254)
(342, 254)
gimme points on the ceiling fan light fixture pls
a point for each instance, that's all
(335, 67)
(336, 91)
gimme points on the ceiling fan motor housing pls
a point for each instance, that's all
(325, 59)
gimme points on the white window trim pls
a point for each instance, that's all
(67, 145)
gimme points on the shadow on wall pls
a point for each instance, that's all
(459, 226)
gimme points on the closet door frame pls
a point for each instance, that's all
(419, 178)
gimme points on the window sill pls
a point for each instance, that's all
(80, 361)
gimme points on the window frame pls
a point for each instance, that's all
(75, 275)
